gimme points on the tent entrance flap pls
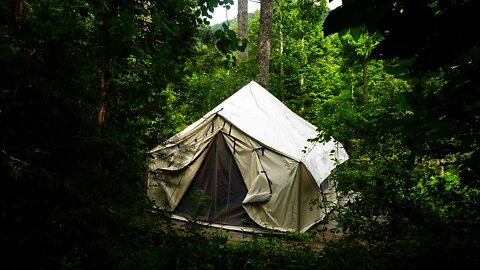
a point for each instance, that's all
(217, 190)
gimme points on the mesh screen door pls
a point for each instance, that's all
(217, 191)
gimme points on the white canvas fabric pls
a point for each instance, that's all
(281, 169)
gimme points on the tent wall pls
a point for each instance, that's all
(311, 199)
(293, 188)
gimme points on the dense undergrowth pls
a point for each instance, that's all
(150, 241)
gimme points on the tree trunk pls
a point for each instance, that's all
(302, 21)
(102, 110)
(243, 24)
(264, 40)
(282, 72)
(104, 72)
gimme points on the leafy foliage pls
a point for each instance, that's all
(68, 189)
(415, 167)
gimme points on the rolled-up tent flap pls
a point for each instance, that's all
(257, 198)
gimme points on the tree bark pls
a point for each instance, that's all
(282, 72)
(302, 25)
(102, 110)
(243, 24)
(104, 72)
(264, 40)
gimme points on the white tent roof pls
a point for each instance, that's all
(259, 114)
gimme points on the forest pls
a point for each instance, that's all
(87, 88)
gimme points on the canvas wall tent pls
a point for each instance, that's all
(248, 159)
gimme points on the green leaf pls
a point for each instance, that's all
(219, 34)
(204, 10)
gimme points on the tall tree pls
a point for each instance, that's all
(264, 41)
(242, 19)
(357, 47)
(280, 33)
